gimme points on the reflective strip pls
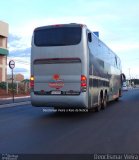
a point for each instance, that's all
(99, 78)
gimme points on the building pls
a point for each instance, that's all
(16, 77)
(3, 50)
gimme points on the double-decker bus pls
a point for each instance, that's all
(72, 68)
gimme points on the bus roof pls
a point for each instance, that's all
(60, 25)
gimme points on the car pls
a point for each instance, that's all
(124, 88)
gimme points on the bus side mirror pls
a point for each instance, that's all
(123, 77)
(89, 37)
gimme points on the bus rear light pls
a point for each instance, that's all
(83, 83)
(32, 78)
(83, 78)
(31, 81)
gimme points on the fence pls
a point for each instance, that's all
(19, 88)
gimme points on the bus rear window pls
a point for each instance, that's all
(57, 36)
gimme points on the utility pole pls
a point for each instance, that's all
(12, 65)
(129, 78)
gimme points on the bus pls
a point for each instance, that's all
(72, 68)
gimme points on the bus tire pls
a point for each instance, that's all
(119, 94)
(117, 99)
(91, 110)
(99, 106)
(105, 101)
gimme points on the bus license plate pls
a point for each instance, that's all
(55, 92)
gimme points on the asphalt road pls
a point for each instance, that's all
(25, 129)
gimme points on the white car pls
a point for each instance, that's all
(124, 88)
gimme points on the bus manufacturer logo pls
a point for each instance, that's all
(56, 82)
(56, 76)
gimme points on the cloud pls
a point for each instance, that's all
(20, 70)
(124, 47)
(18, 43)
(12, 38)
(22, 53)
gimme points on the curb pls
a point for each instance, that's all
(14, 98)
(14, 104)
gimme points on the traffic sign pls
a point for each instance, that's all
(11, 64)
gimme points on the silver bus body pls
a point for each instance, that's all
(73, 71)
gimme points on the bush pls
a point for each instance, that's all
(3, 85)
(10, 85)
(23, 88)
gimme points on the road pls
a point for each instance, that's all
(25, 129)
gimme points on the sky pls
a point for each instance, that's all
(116, 20)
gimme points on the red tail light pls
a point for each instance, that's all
(83, 83)
(83, 78)
(31, 81)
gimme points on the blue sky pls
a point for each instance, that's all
(116, 20)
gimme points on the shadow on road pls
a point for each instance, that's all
(64, 115)
(75, 116)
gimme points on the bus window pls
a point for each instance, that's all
(60, 36)
(89, 37)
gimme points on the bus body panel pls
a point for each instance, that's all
(70, 101)
(68, 76)
(69, 62)
(104, 71)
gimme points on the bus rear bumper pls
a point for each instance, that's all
(60, 101)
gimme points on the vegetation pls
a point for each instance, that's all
(3, 85)
(21, 88)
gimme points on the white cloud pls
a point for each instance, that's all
(124, 47)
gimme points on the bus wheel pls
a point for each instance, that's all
(117, 99)
(99, 106)
(105, 100)
(91, 110)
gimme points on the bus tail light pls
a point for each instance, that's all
(83, 83)
(32, 82)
